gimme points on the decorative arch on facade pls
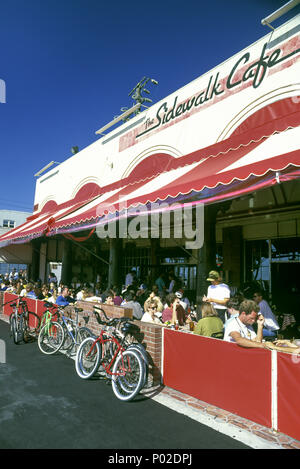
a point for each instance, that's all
(152, 161)
(260, 111)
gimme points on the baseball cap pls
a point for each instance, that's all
(213, 275)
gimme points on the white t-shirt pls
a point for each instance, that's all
(148, 318)
(235, 325)
(219, 292)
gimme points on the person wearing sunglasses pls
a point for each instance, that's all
(150, 314)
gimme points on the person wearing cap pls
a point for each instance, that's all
(218, 294)
(179, 295)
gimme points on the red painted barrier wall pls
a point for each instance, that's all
(288, 385)
(220, 373)
(35, 306)
(7, 310)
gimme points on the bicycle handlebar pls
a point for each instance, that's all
(109, 321)
(14, 300)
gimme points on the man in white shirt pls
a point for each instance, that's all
(271, 325)
(218, 294)
(240, 330)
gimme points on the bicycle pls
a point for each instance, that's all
(51, 334)
(19, 320)
(74, 333)
(62, 333)
(124, 366)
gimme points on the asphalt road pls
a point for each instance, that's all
(44, 404)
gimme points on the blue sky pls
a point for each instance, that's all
(69, 65)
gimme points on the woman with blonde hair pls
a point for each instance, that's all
(150, 314)
(210, 325)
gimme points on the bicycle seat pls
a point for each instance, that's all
(49, 305)
(129, 328)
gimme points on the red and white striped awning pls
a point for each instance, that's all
(222, 171)
(210, 179)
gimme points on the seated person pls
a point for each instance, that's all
(174, 311)
(210, 322)
(64, 299)
(89, 296)
(117, 298)
(232, 309)
(271, 325)
(28, 291)
(109, 299)
(130, 302)
(150, 314)
(240, 330)
(154, 296)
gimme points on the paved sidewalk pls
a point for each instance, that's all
(252, 434)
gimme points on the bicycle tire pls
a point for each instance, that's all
(141, 350)
(88, 358)
(84, 333)
(17, 332)
(68, 340)
(51, 338)
(28, 331)
(128, 375)
(37, 322)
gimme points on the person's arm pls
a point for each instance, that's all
(174, 314)
(283, 346)
(243, 342)
(260, 325)
(218, 302)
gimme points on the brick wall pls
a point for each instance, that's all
(150, 334)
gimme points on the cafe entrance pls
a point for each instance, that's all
(275, 265)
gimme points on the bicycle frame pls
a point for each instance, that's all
(47, 318)
(70, 324)
(104, 340)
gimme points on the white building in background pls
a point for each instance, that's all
(11, 219)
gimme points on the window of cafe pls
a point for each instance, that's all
(275, 264)
(182, 270)
(138, 259)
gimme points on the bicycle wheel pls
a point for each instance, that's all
(51, 338)
(16, 330)
(68, 340)
(88, 358)
(128, 375)
(84, 333)
(34, 322)
(141, 350)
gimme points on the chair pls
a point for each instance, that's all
(218, 335)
